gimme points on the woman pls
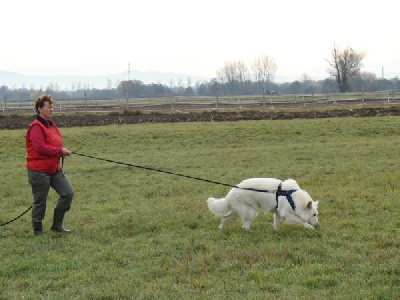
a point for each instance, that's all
(44, 148)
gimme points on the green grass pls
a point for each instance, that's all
(139, 234)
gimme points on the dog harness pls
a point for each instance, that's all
(287, 194)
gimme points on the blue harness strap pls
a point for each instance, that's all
(287, 194)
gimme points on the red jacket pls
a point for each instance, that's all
(43, 155)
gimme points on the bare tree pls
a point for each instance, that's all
(242, 73)
(230, 73)
(109, 84)
(264, 68)
(345, 65)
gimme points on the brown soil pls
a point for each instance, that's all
(136, 117)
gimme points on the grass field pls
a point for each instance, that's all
(139, 234)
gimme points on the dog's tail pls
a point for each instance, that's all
(219, 207)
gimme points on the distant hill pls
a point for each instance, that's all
(17, 80)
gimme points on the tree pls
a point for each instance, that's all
(295, 87)
(264, 68)
(230, 73)
(364, 81)
(307, 83)
(241, 75)
(344, 66)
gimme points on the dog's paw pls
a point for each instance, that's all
(308, 226)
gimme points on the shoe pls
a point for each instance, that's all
(37, 228)
(57, 222)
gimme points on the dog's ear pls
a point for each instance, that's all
(309, 205)
(316, 204)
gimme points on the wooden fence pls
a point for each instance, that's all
(189, 104)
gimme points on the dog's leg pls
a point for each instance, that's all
(293, 219)
(247, 224)
(248, 218)
(277, 220)
(227, 218)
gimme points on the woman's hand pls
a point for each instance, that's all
(65, 152)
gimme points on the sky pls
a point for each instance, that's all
(90, 38)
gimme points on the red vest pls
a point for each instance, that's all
(39, 162)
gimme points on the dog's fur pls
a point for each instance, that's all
(245, 204)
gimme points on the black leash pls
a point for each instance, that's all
(278, 192)
(172, 173)
(8, 222)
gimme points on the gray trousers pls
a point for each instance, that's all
(41, 183)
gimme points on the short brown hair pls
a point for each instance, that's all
(41, 100)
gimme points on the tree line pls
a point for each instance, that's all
(235, 78)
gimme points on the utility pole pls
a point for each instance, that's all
(126, 86)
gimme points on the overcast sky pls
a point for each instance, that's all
(86, 38)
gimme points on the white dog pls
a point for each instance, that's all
(286, 200)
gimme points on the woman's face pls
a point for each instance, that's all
(46, 111)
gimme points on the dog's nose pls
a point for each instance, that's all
(316, 225)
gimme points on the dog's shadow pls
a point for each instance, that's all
(259, 233)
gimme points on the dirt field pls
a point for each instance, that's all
(136, 117)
